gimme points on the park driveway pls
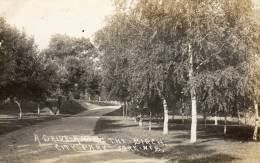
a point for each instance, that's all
(59, 141)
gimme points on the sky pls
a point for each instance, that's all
(44, 18)
(257, 2)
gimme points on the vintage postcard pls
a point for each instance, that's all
(129, 81)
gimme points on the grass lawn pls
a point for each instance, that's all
(212, 145)
(9, 114)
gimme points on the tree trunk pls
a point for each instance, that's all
(150, 126)
(205, 119)
(245, 118)
(140, 121)
(193, 137)
(166, 117)
(123, 110)
(216, 120)
(238, 116)
(256, 121)
(38, 110)
(20, 109)
(182, 117)
(193, 133)
(225, 125)
(125, 106)
(57, 111)
(150, 122)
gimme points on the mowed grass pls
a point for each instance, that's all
(212, 144)
(67, 107)
(9, 114)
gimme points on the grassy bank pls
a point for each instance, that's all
(212, 145)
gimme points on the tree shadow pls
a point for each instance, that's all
(105, 126)
(67, 107)
(234, 132)
(215, 158)
(187, 153)
(9, 121)
(9, 125)
(72, 107)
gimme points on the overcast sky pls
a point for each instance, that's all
(257, 2)
(43, 18)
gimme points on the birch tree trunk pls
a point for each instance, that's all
(20, 109)
(150, 122)
(256, 121)
(193, 136)
(182, 117)
(123, 110)
(245, 118)
(38, 110)
(136, 114)
(166, 117)
(193, 133)
(140, 121)
(238, 116)
(126, 108)
(205, 119)
(58, 111)
(225, 125)
(216, 120)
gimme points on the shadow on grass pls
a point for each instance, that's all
(188, 154)
(10, 121)
(8, 125)
(184, 153)
(72, 107)
(177, 151)
(67, 107)
(216, 158)
(105, 126)
(234, 132)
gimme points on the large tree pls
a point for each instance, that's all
(24, 75)
(77, 61)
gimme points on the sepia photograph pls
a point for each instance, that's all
(129, 81)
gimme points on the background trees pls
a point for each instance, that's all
(68, 66)
(77, 64)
